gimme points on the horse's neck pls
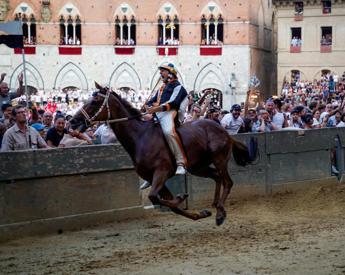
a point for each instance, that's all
(128, 132)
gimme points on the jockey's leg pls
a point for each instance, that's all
(168, 126)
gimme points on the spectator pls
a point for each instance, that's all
(39, 128)
(195, 114)
(56, 133)
(266, 124)
(5, 95)
(21, 136)
(232, 122)
(279, 118)
(47, 120)
(213, 114)
(105, 134)
(295, 120)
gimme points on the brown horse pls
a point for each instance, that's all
(205, 143)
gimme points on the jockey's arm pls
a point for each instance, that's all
(174, 103)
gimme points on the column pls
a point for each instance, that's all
(164, 33)
(171, 31)
(207, 33)
(121, 33)
(216, 32)
(129, 33)
(66, 33)
(29, 32)
(74, 33)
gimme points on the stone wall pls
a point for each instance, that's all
(45, 191)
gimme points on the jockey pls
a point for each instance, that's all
(166, 104)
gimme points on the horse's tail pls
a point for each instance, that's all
(243, 154)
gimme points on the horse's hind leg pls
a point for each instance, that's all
(227, 185)
(166, 195)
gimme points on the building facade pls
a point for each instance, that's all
(309, 37)
(213, 44)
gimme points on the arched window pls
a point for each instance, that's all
(70, 30)
(70, 25)
(24, 13)
(212, 25)
(125, 26)
(168, 26)
(125, 31)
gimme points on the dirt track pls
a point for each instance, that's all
(290, 233)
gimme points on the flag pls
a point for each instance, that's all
(11, 34)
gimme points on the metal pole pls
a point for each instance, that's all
(25, 83)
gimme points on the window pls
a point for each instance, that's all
(168, 30)
(70, 30)
(326, 7)
(326, 36)
(29, 28)
(212, 31)
(296, 37)
(298, 8)
(125, 31)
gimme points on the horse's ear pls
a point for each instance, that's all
(99, 87)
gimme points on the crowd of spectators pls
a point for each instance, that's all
(69, 41)
(168, 41)
(211, 41)
(326, 40)
(300, 105)
(296, 42)
(31, 42)
(125, 42)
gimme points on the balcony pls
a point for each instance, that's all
(124, 50)
(295, 49)
(27, 50)
(211, 50)
(70, 50)
(325, 48)
(167, 50)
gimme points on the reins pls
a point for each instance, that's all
(89, 121)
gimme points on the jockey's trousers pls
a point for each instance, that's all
(166, 120)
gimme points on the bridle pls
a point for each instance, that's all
(89, 121)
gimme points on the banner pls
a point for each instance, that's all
(11, 34)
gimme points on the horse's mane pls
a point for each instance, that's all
(128, 106)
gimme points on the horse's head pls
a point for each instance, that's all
(96, 109)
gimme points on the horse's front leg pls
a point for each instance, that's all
(159, 179)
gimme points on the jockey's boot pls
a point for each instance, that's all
(145, 185)
(180, 170)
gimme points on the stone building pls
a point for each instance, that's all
(310, 39)
(213, 44)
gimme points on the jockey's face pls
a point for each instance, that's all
(164, 74)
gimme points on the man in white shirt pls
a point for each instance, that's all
(232, 122)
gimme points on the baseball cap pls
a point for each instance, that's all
(38, 126)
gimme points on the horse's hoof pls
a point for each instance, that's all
(182, 196)
(220, 220)
(205, 213)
